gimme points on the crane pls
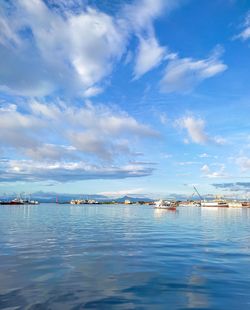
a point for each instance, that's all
(198, 193)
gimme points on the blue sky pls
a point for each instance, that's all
(125, 97)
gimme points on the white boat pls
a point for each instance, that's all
(165, 204)
(215, 203)
(219, 203)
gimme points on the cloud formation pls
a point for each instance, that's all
(57, 134)
(72, 46)
(92, 129)
(195, 128)
(184, 74)
(34, 171)
(149, 55)
(245, 33)
(220, 173)
(51, 50)
(236, 187)
(76, 50)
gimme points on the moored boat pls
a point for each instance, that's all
(215, 203)
(165, 204)
(19, 201)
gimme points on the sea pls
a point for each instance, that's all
(59, 256)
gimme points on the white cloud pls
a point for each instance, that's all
(51, 152)
(219, 140)
(195, 128)
(183, 74)
(93, 91)
(96, 130)
(204, 155)
(72, 47)
(74, 51)
(34, 171)
(48, 134)
(92, 143)
(206, 171)
(141, 15)
(150, 54)
(188, 163)
(245, 33)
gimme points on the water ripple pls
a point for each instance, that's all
(123, 257)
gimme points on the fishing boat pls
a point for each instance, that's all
(165, 204)
(16, 201)
(19, 201)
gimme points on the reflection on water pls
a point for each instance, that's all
(158, 213)
(123, 257)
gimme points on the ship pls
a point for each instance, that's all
(19, 201)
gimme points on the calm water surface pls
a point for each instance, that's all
(123, 257)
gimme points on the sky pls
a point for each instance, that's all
(137, 97)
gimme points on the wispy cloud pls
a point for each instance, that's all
(204, 155)
(188, 163)
(184, 74)
(149, 55)
(235, 187)
(208, 173)
(195, 128)
(141, 15)
(245, 33)
(93, 91)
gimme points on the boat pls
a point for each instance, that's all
(16, 201)
(215, 203)
(245, 204)
(19, 201)
(165, 204)
(235, 204)
(189, 204)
